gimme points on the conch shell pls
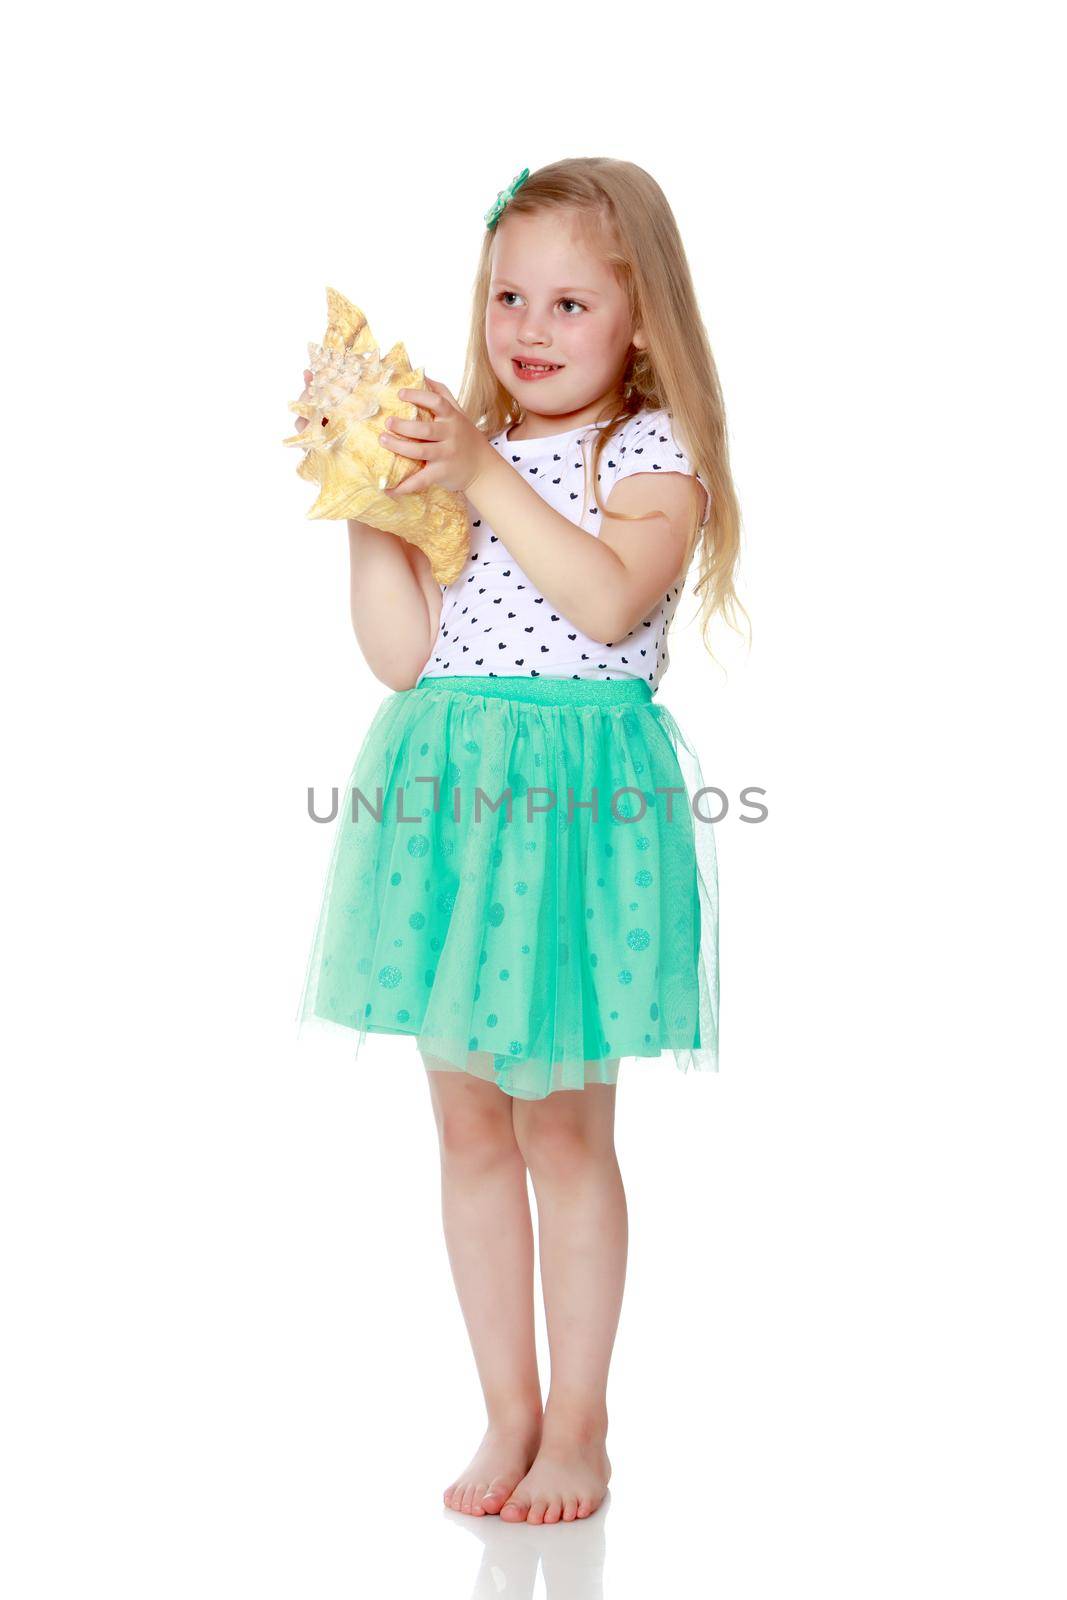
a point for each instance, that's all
(353, 394)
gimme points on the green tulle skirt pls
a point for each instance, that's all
(523, 880)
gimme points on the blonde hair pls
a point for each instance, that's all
(623, 214)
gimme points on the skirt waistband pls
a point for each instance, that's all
(544, 690)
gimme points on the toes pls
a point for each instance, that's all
(468, 1498)
(537, 1510)
(585, 1505)
(554, 1510)
(570, 1509)
(492, 1498)
(513, 1511)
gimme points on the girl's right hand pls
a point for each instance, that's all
(302, 422)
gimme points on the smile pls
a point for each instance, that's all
(534, 369)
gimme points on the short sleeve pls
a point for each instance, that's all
(648, 443)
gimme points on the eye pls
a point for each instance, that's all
(504, 294)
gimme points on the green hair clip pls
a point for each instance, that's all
(499, 205)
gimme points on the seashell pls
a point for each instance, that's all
(351, 397)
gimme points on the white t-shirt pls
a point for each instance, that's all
(494, 621)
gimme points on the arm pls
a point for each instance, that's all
(604, 584)
(391, 593)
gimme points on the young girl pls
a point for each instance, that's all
(526, 883)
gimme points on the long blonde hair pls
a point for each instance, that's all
(624, 214)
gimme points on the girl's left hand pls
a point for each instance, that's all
(454, 450)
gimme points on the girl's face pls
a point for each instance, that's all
(552, 300)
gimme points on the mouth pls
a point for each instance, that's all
(535, 369)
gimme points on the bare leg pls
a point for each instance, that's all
(568, 1140)
(489, 1236)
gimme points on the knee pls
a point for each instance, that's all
(474, 1135)
(554, 1146)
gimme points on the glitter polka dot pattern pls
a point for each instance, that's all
(495, 622)
(540, 949)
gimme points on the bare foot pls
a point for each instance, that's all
(567, 1480)
(496, 1467)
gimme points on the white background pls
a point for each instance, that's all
(234, 1361)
